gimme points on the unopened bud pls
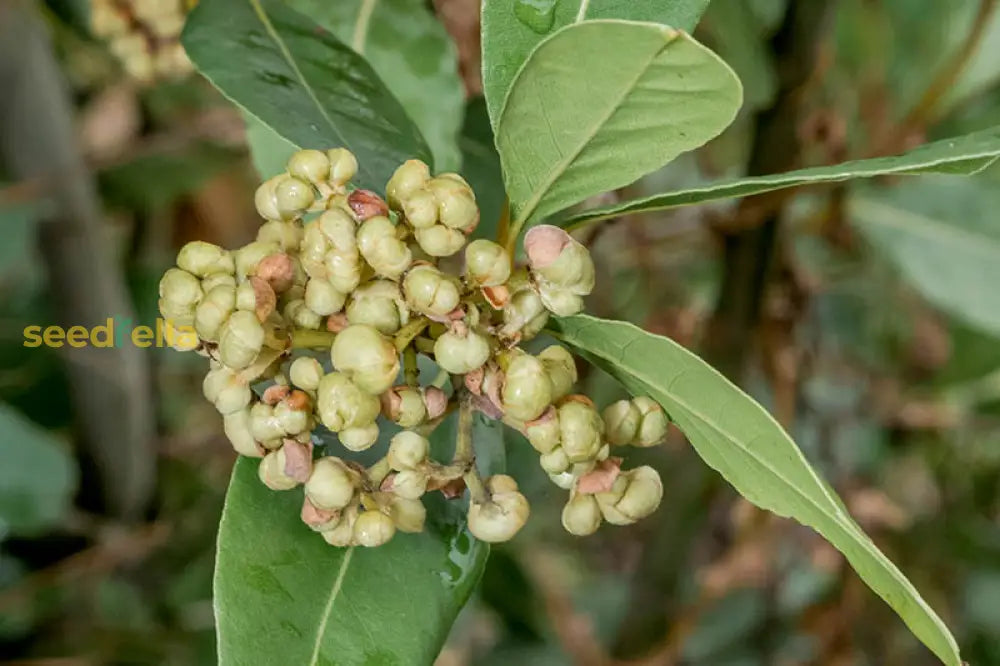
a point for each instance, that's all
(457, 207)
(278, 270)
(373, 528)
(634, 495)
(203, 259)
(323, 298)
(343, 165)
(366, 204)
(527, 390)
(407, 450)
(653, 424)
(408, 515)
(378, 303)
(461, 352)
(332, 484)
(367, 357)
(359, 438)
(429, 291)
(487, 264)
(240, 340)
(404, 405)
(581, 516)
(306, 373)
(408, 178)
(380, 247)
(502, 516)
(342, 404)
(272, 472)
(237, 428)
(312, 166)
(409, 483)
(213, 311)
(561, 369)
(556, 258)
(440, 241)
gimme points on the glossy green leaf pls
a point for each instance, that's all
(37, 477)
(582, 120)
(959, 155)
(269, 151)
(302, 82)
(283, 596)
(942, 235)
(412, 53)
(739, 439)
(481, 167)
(513, 28)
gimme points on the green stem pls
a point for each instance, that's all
(424, 345)
(410, 370)
(463, 441)
(405, 335)
(377, 472)
(304, 338)
(477, 491)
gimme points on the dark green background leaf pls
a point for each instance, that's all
(302, 82)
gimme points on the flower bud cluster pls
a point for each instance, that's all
(365, 282)
(144, 35)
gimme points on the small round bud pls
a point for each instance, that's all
(342, 404)
(318, 520)
(306, 373)
(233, 396)
(409, 483)
(555, 461)
(581, 516)
(180, 288)
(378, 303)
(407, 450)
(457, 207)
(312, 166)
(487, 264)
(430, 292)
(367, 357)
(240, 340)
(621, 420)
(557, 258)
(322, 298)
(297, 312)
(408, 515)
(527, 390)
(255, 295)
(653, 424)
(524, 315)
(561, 368)
(278, 270)
(634, 495)
(237, 429)
(384, 252)
(339, 228)
(265, 200)
(218, 280)
(250, 255)
(264, 426)
(373, 528)
(294, 419)
(581, 430)
(331, 485)
(202, 259)
(359, 438)
(500, 518)
(272, 472)
(213, 311)
(420, 210)
(366, 204)
(286, 235)
(461, 353)
(543, 432)
(292, 197)
(560, 302)
(439, 240)
(342, 534)
(408, 178)
(404, 405)
(343, 165)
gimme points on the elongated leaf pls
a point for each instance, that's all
(268, 149)
(942, 234)
(739, 439)
(283, 596)
(581, 120)
(959, 155)
(412, 53)
(302, 82)
(513, 28)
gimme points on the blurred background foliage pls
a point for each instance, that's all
(866, 319)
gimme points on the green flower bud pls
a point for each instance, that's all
(500, 518)
(343, 270)
(286, 235)
(339, 228)
(272, 472)
(293, 420)
(250, 255)
(293, 197)
(322, 298)
(297, 312)
(407, 450)
(332, 484)
(457, 207)
(558, 259)
(487, 264)
(405, 406)
(581, 516)
(312, 166)
(373, 528)
(359, 438)
(420, 210)
(342, 534)
(264, 426)
(634, 495)
(527, 390)
(524, 315)
(306, 373)
(621, 421)
(555, 461)
(213, 311)
(407, 179)
(265, 199)
(233, 395)
(237, 428)
(343, 166)
(342, 404)
(180, 289)
(430, 292)
(565, 480)
(408, 515)
(409, 483)
(218, 280)
(367, 357)
(255, 295)
(581, 430)
(240, 340)
(202, 259)
(380, 304)
(560, 302)
(439, 240)
(561, 369)
(461, 352)
(653, 424)
(543, 432)
(384, 252)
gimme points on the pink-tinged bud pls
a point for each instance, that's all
(600, 479)
(366, 204)
(319, 520)
(543, 244)
(278, 270)
(299, 401)
(474, 380)
(436, 401)
(264, 298)
(298, 460)
(274, 394)
(337, 322)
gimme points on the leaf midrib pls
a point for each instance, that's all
(328, 609)
(560, 168)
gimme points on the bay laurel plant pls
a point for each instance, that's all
(367, 351)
